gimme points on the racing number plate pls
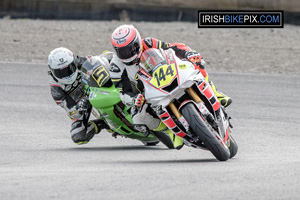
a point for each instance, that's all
(100, 75)
(164, 75)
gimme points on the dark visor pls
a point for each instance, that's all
(128, 51)
(65, 72)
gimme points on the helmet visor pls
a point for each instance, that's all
(64, 71)
(128, 51)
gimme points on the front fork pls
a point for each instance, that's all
(204, 111)
(199, 103)
(179, 116)
(194, 96)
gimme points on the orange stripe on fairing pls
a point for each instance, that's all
(208, 92)
(143, 72)
(226, 136)
(170, 123)
(180, 134)
(201, 86)
(164, 115)
(216, 106)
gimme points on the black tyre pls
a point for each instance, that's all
(233, 148)
(151, 143)
(205, 133)
(164, 138)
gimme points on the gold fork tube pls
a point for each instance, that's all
(174, 110)
(194, 95)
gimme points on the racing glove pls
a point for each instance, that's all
(194, 57)
(138, 100)
(83, 105)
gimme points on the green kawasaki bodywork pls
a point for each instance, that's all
(106, 101)
(105, 98)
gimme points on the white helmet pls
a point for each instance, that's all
(61, 64)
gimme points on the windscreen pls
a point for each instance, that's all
(94, 73)
(152, 59)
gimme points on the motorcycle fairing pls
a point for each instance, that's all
(186, 74)
(170, 123)
(209, 94)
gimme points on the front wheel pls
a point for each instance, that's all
(205, 133)
(233, 147)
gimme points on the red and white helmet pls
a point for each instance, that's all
(127, 43)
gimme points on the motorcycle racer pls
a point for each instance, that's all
(68, 93)
(129, 47)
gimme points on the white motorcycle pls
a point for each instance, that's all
(185, 102)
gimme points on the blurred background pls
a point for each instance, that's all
(136, 10)
(30, 29)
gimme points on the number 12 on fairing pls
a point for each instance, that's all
(163, 75)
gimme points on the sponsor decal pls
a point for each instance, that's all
(184, 122)
(171, 57)
(92, 95)
(114, 68)
(62, 63)
(102, 92)
(182, 66)
(121, 41)
(68, 87)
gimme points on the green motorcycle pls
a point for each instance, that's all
(107, 105)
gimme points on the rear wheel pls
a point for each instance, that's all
(205, 133)
(164, 138)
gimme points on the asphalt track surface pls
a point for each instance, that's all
(39, 160)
